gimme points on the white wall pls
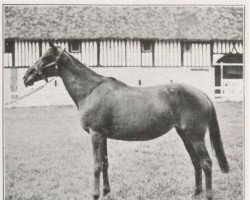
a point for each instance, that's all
(57, 95)
(163, 75)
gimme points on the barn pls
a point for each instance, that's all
(139, 45)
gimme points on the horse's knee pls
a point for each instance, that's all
(206, 165)
(196, 164)
(104, 166)
(97, 170)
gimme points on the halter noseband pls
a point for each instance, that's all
(39, 71)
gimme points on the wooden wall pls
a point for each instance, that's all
(62, 44)
(120, 52)
(88, 54)
(133, 53)
(8, 61)
(222, 47)
(129, 53)
(26, 53)
(197, 54)
(112, 53)
(167, 53)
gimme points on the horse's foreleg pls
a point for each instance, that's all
(96, 139)
(105, 165)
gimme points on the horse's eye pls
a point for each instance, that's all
(32, 71)
(47, 58)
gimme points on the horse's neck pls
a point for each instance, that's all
(78, 79)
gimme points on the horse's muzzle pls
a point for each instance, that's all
(28, 81)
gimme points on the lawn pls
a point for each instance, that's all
(48, 156)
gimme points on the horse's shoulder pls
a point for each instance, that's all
(104, 91)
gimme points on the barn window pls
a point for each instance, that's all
(147, 45)
(187, 46)
(75, 46)
(233, 72)
(9, 46)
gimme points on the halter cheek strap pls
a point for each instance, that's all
(52, 63)
(40, 73)
(56, 62)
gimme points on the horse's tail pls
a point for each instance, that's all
(216, 142)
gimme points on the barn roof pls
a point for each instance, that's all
(162, 22)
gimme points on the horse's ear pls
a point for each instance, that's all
(52, 45)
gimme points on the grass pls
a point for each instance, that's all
(48, 156)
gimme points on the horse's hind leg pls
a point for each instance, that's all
(195, 160)
(206, 165)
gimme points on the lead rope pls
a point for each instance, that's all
(41, 87)
(28, 94)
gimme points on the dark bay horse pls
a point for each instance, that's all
(111, 109)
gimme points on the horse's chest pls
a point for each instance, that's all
(98, 119)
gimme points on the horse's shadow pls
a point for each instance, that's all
(108, 197)
(191, 197)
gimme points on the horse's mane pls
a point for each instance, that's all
(82, 68)
(78, 63)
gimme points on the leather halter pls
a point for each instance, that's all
(39, 71)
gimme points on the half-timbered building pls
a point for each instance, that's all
(139, 45)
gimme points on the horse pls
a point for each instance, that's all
(111, 109)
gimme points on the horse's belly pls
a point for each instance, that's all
(136, 136)
(141, 130)
(134, 117)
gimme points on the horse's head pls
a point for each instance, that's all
(44, 67)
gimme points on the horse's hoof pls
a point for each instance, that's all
(95, 197)
(209, 195)
(197, 191)
(105, 192)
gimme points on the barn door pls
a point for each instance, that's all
(229, 77)
(232, 82)
(229, 82)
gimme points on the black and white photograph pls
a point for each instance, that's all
(124, 101)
